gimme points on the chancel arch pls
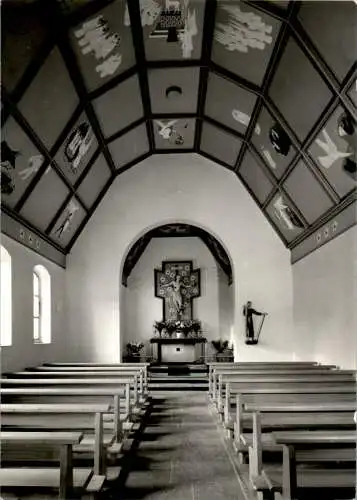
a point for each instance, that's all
(190, 259)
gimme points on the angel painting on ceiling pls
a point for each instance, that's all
(347, 132)
(243, 31)
(8, 168)
(77, 145)
(65, 224)
(286, 215)
(173, 20)
(169, 132)
(94, 37)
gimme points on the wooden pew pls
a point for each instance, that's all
(21, 412)
(140, 372)
(288, 479)
(256, 365)
(231, 386)
(64, 478)
(82, 394)
(217, 372)
(75, 382)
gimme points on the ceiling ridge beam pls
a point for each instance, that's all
(139, 48)
(207, 42)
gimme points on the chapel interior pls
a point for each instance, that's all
(178, 249)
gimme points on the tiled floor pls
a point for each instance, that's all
(181, 455)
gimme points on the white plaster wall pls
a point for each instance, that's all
(325, 302)
(23, 352)
(177, 188)
(142, 308)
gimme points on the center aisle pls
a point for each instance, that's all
(181, 455)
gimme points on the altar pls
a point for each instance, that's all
(178, 350)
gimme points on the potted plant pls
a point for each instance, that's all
(134, 350)
(223, 352)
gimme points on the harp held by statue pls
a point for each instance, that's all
(254, 340)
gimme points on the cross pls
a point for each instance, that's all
(177, 284)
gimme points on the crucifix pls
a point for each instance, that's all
(177, 284)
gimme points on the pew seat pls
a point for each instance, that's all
(64, 478)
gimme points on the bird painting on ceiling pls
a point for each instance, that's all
(243, 31)
(77, 145)
(286, 215)
(346, 131)
(173, 20)
(8, 164)
(169, 132)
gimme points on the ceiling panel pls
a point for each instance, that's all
(45, 200)
(244, 39)
(184, 38)
(174, 90)
(285, 217)
(77, 149)
(332, 28)
(228, 103)
(280, 3)
(112, 108)
(20, 161)
(335, 151)
(175, 133)
(273, 143)
(220, 144)
(103, 44)
(298, 90)
(129, 146)
(253, 174)
(67, 223)
(94, 181)
(352, 93)
(23, 34)
(307, 193)
(48, 108)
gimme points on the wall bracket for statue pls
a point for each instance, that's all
(177, 284)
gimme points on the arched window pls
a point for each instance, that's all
(6, 298)
(41, 305)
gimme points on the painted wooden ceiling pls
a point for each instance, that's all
(91, 87)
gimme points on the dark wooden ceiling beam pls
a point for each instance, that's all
(207, 42)
(139, 48)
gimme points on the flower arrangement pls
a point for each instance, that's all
(134, 347)
(184, 325)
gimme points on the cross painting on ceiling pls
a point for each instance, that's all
(335, 149)
(172, 24)
(20, 161)
(177, 284)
